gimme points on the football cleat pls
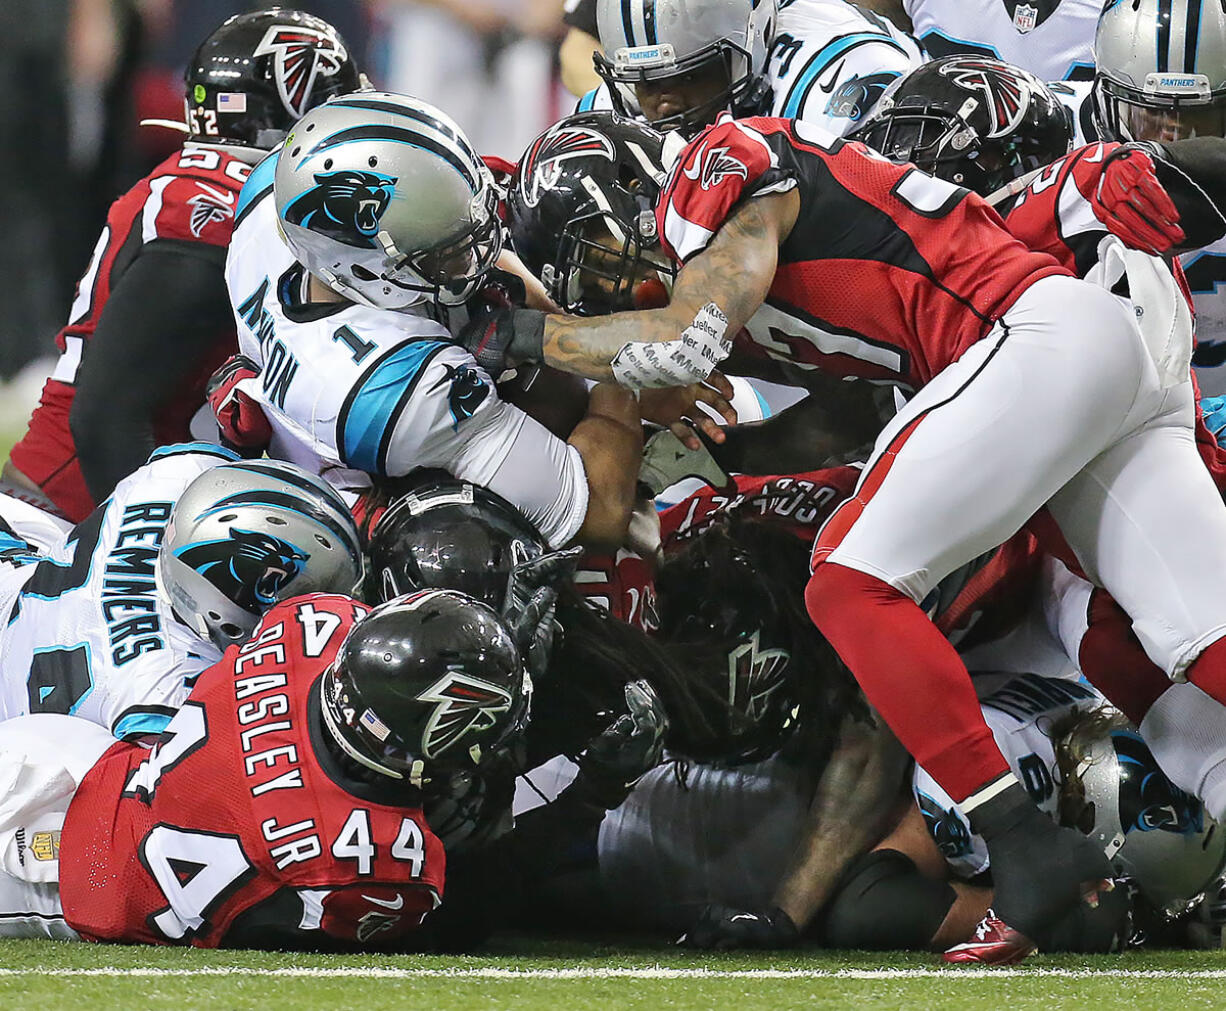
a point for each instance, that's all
(994, 942)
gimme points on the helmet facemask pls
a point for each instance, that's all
(1127, 114)
(603, 262)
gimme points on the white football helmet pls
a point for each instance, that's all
(1161, 70)
(383, 198)
(246, 535)
(653, 40)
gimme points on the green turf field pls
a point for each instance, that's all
(581, 977)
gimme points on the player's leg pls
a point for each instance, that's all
(961, 468)
(42, 760)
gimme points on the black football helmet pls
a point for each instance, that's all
(425, 686)
(970, 120)
(450, 534)
(719, 604)
(580, 210)
(259, 73)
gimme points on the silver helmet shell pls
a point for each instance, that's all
(383, 198)
(1161, 69)
(249, 534)
(1153, 832)
(653, 40)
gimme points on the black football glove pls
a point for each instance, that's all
(631, 746)
(721, 928)
(503, 338)
(532, 593)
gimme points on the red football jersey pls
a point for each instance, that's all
(232, 820)
(888, 274)
(190, 197)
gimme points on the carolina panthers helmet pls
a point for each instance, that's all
(1160, 70)
(450, 534)
(383, 198)
(425, 686)
(257, 74)
(654, 40)
(1153, 832)
(580, 213)
(971, 120)
(246, 535)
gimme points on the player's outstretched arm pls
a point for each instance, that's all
(715, 294)
(162, 319)
(610, 441)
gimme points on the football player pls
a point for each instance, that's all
(389, 219)
(289, 785)
(847, 264)
(150, 321)
(1085, 766)
(118, 619)
(679, 63)
(1052, 39)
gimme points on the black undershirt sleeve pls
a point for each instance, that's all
(1193, 172)
(164, 315)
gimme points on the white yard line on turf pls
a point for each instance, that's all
(651, 972)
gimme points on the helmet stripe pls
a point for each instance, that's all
(290, 475)
(395, 135)
(1191, 36)
(417, 115)
(1164, 35)
(628, 22)
(282, 500)
(649, 19)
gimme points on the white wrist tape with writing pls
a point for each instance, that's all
(690, 358)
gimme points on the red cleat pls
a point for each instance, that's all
(993, 943)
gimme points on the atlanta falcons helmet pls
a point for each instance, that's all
(450, 534)
(383, 198)
(580, 213)
(971, 120)
(1154, 833)
(259, 73)
(654, 40)
(425, 686)
(1160, 70)
(244, 536)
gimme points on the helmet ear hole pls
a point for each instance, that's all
(362, 274)
(275, 521)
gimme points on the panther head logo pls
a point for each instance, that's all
(250, 567)
(468, 391)
(855, 97)
(344, 205)
(1148, 800)
(947, 830)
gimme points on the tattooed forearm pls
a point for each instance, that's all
(733, 274)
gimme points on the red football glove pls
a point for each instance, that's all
(242, 422)
(1131, 202)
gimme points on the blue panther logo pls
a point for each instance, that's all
(1148, 800)
(468, 391)
(857, 96)
(345, 205)
(249, 567)
(948, 831)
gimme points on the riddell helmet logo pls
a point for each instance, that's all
(300, 55)
(543, 164)
(464, 704)
(1006, 94)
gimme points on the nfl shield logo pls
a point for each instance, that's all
(1025, 17)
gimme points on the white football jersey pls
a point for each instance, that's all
(831, 61)
(668, 850)
(1020, 710)
(352, 392)
(1053, 39)
(88, 631)
(829, 64)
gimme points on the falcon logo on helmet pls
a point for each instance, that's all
(754, 675)
(542, 165)
(1007, 94)
(464, 704)
(300, 55)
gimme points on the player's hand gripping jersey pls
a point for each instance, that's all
(232, 830)
(351, 391)
(88, 631)
(888, 273)
(187, 203)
